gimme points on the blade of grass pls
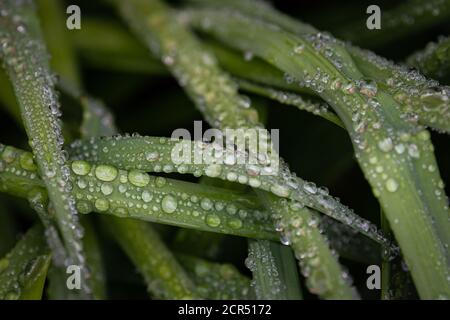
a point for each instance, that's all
(318, 264)
(400, 181)
(24, 269)
(217, 281)
(293, 99)
(406, 19)
(153, 154)
(239, 213)
(164, 276)
(25, 60)
(422, 100)
(271, 274)
(434, 60)
(180, 50)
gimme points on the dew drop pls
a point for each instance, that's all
(106, 172)
(138, 178)
(212, 220)
(106, 189)
(147, 196)
(310, 187)
(9, 154)
(280, 190)
(413, 151)
(101, 204)
(84, 207)
(385, 145)
(160, 182)
(152, 156)
(206, 204)
(26, 162)
(235, 223)
(169, 204)
(391, 185)
(213, 170)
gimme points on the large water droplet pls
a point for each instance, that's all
(26, 161)
(213, 220)
(101, 204)
(106, 172)
(391, 185)
(138, 178)
(385, 145)
(169, 204)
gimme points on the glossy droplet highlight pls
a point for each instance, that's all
(26, 162)
(107, 189)
(106, 173)
(169, 204)
(391, 185)
(80, 167)
(138, 178)
(212, 220)
(102, 204)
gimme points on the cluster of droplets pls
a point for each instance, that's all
(434, 59)
(217, 281)
(19, 267)
(298, 101)
(266, 276)
(196, 70)
(155, 155)
(420, 99)
(26, 62)
(134, 193)
(302, 230)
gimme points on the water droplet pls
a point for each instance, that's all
(385, 145)
(212, 220)
(169, 204)
(280, 190)
(160, 182)
(26, 161)
(81, 167)
(121, 211)
(106, 172)
(413, 151)
(106, 189)
(101, 204)
(9, 154)
(255, 183)
(400, 148)
(147, 196)
(152, 156)
(285, 240)
(391, 185)
(213, 170)
(299, 49)
(138, 178)
(83, 207)
(231, 176)
(235, 223)
(206, 204)
(310, 187)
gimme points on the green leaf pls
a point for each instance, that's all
(24, 269)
